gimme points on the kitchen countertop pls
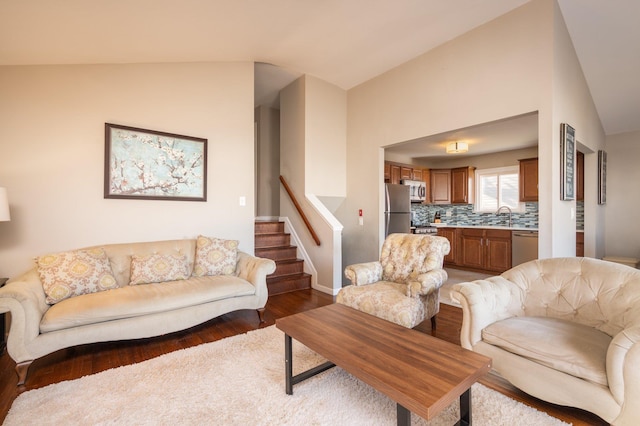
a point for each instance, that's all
(508, 228)
(513, 228)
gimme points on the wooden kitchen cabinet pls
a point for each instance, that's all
(485, 249)
(472, 250)
(396, 172)
(529, 179)
(462, 185)
(450, 234)
(440, 186)
(452, 186)
(498, 246)
(579, 244)
(406, 172)
(417, 174)
(580, 176)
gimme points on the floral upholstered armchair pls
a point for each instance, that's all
(404, 286)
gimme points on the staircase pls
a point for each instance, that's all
(273, 243)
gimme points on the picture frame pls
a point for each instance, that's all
(602, 177)
(567, 162)
(151, 165)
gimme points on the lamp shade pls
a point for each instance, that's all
(4, 206)
(457, 147)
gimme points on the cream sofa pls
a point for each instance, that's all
(127, 311)
(565, 330)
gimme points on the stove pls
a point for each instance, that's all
(425, 230)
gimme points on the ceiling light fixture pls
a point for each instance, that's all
(457, 147)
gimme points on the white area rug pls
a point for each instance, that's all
(237, 381)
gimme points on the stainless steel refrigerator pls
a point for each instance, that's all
(397, 209)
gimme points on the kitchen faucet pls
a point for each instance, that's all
(505, 207)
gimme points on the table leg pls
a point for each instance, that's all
(465, 408)
(288, 364)
(404, 416)
(289, 378)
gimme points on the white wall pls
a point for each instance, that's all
(313, 161)
(623, 202)
(52, 153)
(519, 63)
(498, 70)
(572, 104)
(268, 162)
(325, 138)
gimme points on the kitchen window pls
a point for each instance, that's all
(496, 188)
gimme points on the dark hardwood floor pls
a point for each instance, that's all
(72, 363)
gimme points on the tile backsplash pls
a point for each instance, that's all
(580, 215)
(463, 214)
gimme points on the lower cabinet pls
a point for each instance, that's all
(580, 244)
(498, 250)
(478, 249)
(451, 235)
(485, 249)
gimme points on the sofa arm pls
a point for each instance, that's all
(24, 298)
(623, 374)
(483, 303)
(364, 273)
(426, 283)
(255, 270)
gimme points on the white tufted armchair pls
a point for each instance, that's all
(565, 330)
(404, 286)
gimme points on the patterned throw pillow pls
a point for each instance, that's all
(158, 268)
(215, 256)
(73, 273)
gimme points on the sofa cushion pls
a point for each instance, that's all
(138, 300)
(157, 268)
(74, 273)
(386, 300)
(565, 346)
(215, 256)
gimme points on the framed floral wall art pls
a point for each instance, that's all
(152, 165)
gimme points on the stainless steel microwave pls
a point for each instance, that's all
(417, 190)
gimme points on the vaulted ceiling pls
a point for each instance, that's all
(345, 42)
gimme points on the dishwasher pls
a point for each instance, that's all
(524, 247)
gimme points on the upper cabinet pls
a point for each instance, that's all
(396, 172)
(406, 172)
(529, 179)
(440, 186)
(452, 186)
(462, 185)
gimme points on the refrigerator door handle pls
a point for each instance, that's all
(386, 225)
(387, 206)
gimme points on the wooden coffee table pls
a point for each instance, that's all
(421, 373)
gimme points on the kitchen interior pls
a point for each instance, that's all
(433, 185)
